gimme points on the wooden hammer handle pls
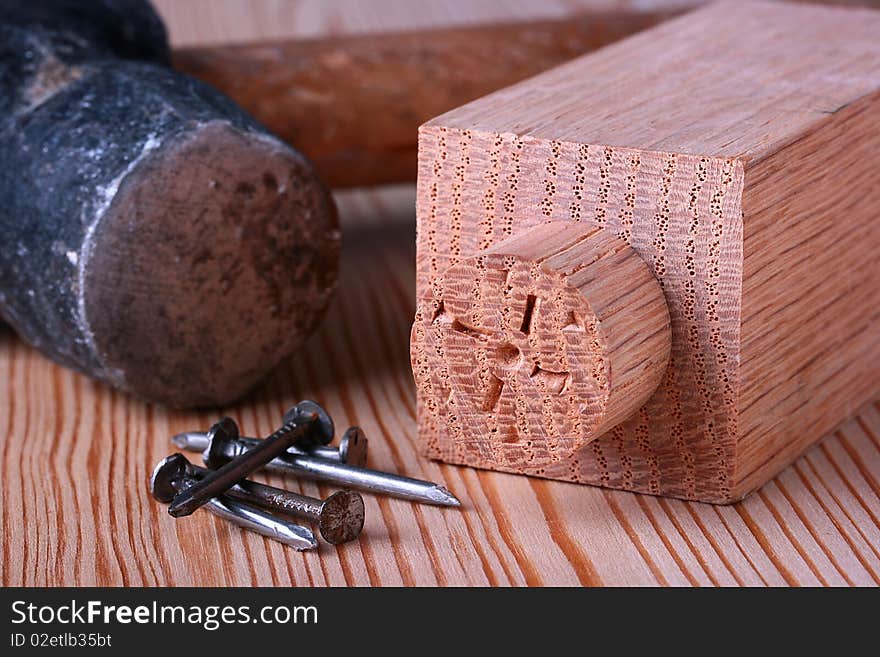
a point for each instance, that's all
(353, 104)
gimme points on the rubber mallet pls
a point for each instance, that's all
(152, 234)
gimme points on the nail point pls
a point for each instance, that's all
(442, 496)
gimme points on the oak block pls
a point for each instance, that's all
(736, 151)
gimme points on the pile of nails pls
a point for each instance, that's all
(300, 447)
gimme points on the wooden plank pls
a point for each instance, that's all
(733, 150)
(75, 457)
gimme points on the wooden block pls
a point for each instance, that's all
(735, 151)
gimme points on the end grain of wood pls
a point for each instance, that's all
(543, 342)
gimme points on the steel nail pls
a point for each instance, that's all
(234, 470)
(167, 479)
(340, 517)
(352, 446)
(224, 448)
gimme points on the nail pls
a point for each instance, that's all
(340, 517)
(234, 470)
(224, 447)
(321, 429)
(352, 446)
(168, 479)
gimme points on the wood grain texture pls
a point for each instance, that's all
(75, 458)
(811, 286)
(538, 345)
(698, 142)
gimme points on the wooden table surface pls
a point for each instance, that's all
(75, 457)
